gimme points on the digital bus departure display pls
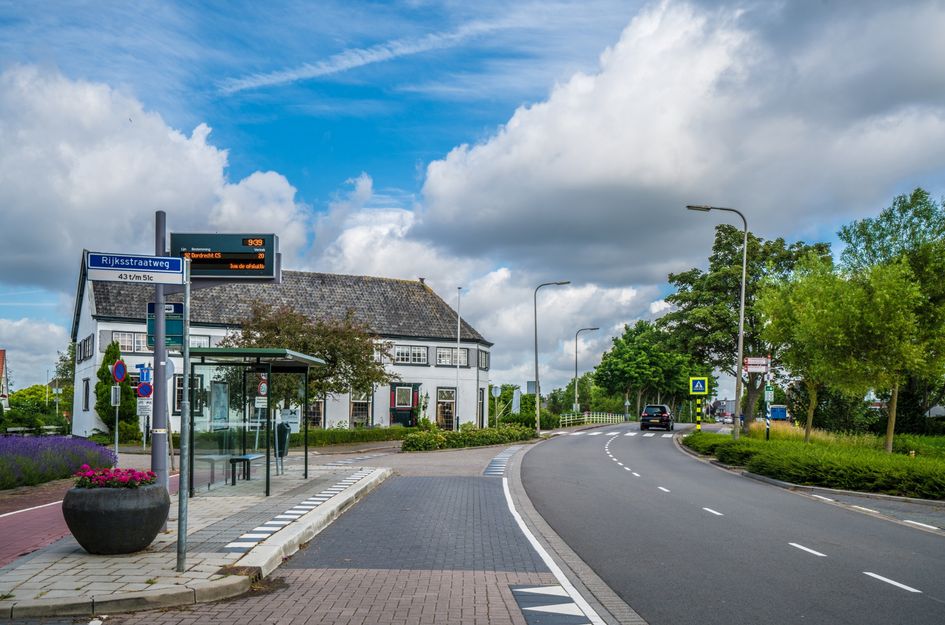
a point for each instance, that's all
(228, 255)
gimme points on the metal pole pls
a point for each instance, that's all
(459, 290)
(159, 418)
(537, 385)
(116, 427)
(183, 490)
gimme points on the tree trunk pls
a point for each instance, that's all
(752, 394)
(811, 406)
(639, 398)
(891, 420)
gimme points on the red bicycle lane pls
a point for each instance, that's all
(25, 531)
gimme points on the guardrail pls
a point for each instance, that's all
(588, 418)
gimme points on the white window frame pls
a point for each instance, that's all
(125, 340)
(141, 343)
(484, 360)
(200, 340)
(402, 354)
(446, 357)
(397, 402)
(85, 394)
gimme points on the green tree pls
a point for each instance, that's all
(704, 320)
(807, 319)
(353, 355)
(912, 229)
(127, 411)
(65, 377)
(629, 366)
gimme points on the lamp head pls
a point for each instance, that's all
(704, 209)
(563, 282)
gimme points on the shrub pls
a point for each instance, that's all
(705, 442)
(318, 437)
(737, 452)
(427, 440)
(26, 461)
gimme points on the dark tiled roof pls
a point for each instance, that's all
(391, 308)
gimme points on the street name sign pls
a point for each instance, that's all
(134, 269)
(699, 386)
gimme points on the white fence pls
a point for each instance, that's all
(586, 418)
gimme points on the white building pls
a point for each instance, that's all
(420, 326)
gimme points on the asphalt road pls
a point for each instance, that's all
(684, 542)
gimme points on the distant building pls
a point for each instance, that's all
(408, 314)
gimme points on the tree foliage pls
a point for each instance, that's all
(127, 411)
(704, 320)
(353, 355)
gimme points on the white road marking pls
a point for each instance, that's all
(711, 511)
(630, 434)
(594, 433)
(554, 591)
(255, 536)
(552, 566)
(266, 529)
(276, 522)
(866, 509)
(667, 435)
(649, 435)
(636, 474)
(822, 497)
(803, 548)
(45, 505)
(626, 468)
(576, 433)
(930, 527)
(620, 463)
(665, 490)
(889, 581)
(569, 609)
(240, 545)
(613, 433)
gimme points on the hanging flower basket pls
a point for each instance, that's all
(112, 511)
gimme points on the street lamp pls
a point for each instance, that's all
(459, 291)
(576, 408)
(537, 385)
(741, 312)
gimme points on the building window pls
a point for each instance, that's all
(410, 354)
(199, 340)
(445, 407)
(85, 394)
(196, 382)
(483, 360)
(360, 409)
(85, 349)
(141, 342)
(125, 340)
(446, 356)
(480, 411)
(403, 397)
(316, 413)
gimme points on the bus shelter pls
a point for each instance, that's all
(245, 403)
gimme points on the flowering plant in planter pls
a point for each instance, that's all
(86, 477)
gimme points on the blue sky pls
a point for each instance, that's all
(491, 144)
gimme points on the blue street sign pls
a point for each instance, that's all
(134, 268)
(144, 373)
(698, 386)
(119, 371)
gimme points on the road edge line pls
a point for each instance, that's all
(577, 597)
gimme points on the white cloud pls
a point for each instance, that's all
(700, 106)
(32, 348)
(85, 165)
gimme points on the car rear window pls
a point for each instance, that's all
(653, 410)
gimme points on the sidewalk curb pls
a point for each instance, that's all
(259, 562)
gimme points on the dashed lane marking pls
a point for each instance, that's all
(648, 435)
(866, 509)
(808, 550)
(594, 433)
(894, 583)
(665, 490)
(635, 474)
(821, 497)
(667, 435)
(929, 527)
(711, 511)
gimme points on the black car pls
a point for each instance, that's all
(656, 415)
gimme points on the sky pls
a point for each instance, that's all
(489, 145)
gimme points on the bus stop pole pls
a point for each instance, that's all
(183, 490)
(159, 418)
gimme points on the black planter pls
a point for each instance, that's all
(106, 521)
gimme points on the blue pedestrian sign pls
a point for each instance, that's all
(134, 268)
(698, 386)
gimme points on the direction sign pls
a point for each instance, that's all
(699, 386)
(145, 389)
(173, 325)
(756, 364)
(134, 268)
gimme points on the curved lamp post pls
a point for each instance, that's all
(537, 386)
(741, 313)
(576, 408)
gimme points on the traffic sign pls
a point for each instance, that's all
(756, 364)
(145, 405)
(496, 391)
(263, 389)
(769, 396)
(134, 268)
(173, 325)
(145, 389)
(119, 371)
(116, 395)
(699, 386)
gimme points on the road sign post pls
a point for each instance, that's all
(116, 402)
(699, 386)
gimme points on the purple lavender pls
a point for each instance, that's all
(29, 460)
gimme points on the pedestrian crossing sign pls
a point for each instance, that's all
(698, 386)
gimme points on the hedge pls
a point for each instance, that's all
(31, 460)
(428, 440)
(830, 466)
